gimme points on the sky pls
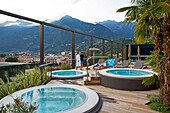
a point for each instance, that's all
(86, 10)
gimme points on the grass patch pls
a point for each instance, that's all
(156, 104)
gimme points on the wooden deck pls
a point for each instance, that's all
(117, 101)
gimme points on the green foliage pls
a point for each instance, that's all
(153, 80)
(29, 79)
(18, 107)
(11, 59)
(152, 59)
(156, 104)
(154, 98)
(33, 78)
(149, 15)
(7, 88)
(65, 66)
(45, 77)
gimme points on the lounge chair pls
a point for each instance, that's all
(99, 63)
(105, 64)
(124, 64)
(111, 63)
(138, 65)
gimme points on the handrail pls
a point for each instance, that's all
(49, 24)
(42, 23)
(44, 65)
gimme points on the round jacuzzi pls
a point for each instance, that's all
(65, 98)
(125, 78)
(66, 74)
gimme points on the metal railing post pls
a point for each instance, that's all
(111, 48)
(103, 47)
(41, 43)
(122, 52)
(117, 50)
(73, 49)
(91, 44)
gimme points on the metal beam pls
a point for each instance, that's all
(19, 16)
(45, 23)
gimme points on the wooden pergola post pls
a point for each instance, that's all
(103, 47)
(41, 43)
(111, 48)
(117, 50)
(73, 49)
(91, 44)
(122, 52)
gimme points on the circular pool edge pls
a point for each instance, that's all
(133, 83)
(92, 104)
(84, 73)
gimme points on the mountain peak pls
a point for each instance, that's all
(58, 40)
(67, 17)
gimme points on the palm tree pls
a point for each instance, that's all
(153, 22)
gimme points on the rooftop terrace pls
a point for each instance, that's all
(117, 101)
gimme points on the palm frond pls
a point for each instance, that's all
(159, 9)
(126, 8)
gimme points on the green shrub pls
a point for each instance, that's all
(45, 78)
(65, 66)
(153, 80)
(156, 104)
(152, 59)
(29, 79)
(18, 107)
(7, 88)
(11, 59)
(154, 98)
(33, 78)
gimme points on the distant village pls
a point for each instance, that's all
(60, 58)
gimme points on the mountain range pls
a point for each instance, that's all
(23, 36)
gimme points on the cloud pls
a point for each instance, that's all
(75, 1)
(85, 10)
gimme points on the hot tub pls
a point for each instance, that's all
(65, 98)
(67, 74)
(125, 78)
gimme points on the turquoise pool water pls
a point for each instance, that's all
(67, 73)
(128, 72)
(55, 99)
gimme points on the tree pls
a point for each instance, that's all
(11, 59)
(153, 22)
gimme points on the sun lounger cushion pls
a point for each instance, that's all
(111, 62)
